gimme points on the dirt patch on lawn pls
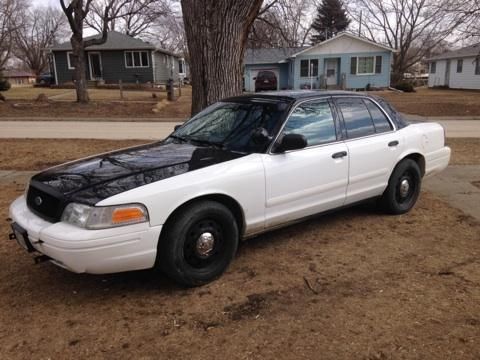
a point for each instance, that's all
(435, 102)
(352, 285)
(38, 154)
(465, 151)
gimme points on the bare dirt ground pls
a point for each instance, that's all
(435, 102)
(38, 154)
(355, 284)
(104, 104)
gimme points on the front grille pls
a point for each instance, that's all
(45, 204)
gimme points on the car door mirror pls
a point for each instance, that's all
(290, 142)
(177, 127)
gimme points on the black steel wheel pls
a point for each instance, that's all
(197, 246)
(403, 188)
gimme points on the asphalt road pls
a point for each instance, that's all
(119, 130)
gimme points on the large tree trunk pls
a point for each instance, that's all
(80, 73)
(216, 35)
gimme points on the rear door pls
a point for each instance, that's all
(373, 146)
(310, 180)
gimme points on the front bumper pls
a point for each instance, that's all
(125, 248)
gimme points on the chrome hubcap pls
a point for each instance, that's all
(404, 188)
(205, 244)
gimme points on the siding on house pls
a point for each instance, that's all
(166, 67)
(113, 68)
(463, 80)
(352, 81)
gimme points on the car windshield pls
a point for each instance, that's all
(230, 125)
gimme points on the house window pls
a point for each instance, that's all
(309, 68)
(477, 66)
(136, 59)
(70, 61)
(365, 65)
(433, 67)
(459, 65)
(181, 66)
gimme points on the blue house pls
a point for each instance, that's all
(345, 61)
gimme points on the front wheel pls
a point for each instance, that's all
(199, 244)
(403, 188)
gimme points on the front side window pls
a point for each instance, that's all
(230, 125)
(136, 59)
(314, 120)
(356, 116)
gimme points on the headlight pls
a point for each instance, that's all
(103, 217)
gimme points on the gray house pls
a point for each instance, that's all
(459, 69)
(121, 57)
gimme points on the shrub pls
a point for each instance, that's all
(4, 84)
(405, 86)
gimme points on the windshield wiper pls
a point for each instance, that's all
(178, 138)
(207, 142)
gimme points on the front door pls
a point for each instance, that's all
(95, 66)
(331, 71)
(311, 180)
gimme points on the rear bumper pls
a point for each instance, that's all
(113, 250)
(437, 161)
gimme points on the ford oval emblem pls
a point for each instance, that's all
(38, 201)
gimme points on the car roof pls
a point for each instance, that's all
(292, 95)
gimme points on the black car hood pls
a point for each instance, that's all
(96, 178)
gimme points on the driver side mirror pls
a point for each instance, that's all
(290, 142)
(177, 127)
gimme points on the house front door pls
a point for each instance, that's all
(95, 61)
(331, 71)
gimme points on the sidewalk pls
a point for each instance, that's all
(153, 130)
(86, 130)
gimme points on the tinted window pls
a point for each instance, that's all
(357, 118)
(379, 119)
(394, 114)
(266, 75)
(314, 120)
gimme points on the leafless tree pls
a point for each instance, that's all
(285, 23)
(10, 21)
(412, 27)
(41, 26)
(469, 12)
(217, 34)
(131, 17)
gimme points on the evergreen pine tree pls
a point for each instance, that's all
(331, 19)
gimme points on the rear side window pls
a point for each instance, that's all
(358, 121)
(379, 119)
(314, 120)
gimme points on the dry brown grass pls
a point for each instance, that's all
(435, 102)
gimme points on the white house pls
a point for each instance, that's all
(459, 69)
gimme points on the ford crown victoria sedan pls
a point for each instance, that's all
(239, 168)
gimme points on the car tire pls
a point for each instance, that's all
(403, 188)
(198, 244)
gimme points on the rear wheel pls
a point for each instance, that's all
(199, 244)
(403, 188)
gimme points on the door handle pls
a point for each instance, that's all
(393, 143)
(339, 155)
